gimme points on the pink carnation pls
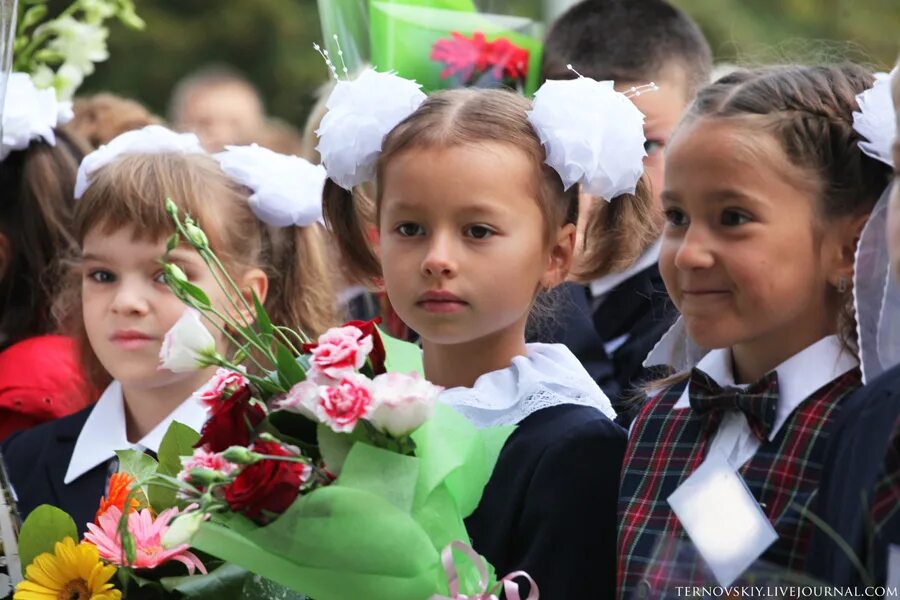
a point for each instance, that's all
(225, 380)
(203, 459)
(341, 350)
(341, 406)
(147, 533)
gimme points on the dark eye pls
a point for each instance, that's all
(652, 147)
(409, 229)
(479, 232)
(160, 278)
(733, 218)
(101, 276)
(676, 218)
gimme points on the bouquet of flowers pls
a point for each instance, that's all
(438, 43)
(326, 467)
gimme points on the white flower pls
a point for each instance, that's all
(592, 134)
(153, 139)
(83, 44)
(402, 402)
(287, 190)
(188, 346)
(29, 114)
(875, 119)
(66, 80)
(360, 114)
(183, 527)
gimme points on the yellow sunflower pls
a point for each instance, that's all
(72, 572)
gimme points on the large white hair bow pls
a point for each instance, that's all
(287, 190)
(153, 139)
(30, 114)
(875, 119)
(592, 134)
(360, 114)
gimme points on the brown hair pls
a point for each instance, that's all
(36, 217)
(809, 111)
(130, 192)
(100, 118)
(479, 116)
(627, 41)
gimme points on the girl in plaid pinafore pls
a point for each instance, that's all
(766, 189)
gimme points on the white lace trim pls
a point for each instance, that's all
(549, 375)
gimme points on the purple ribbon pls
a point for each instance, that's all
(509, 587)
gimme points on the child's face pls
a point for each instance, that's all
(128, 308)
(462, 241)
(221, 115)
(662, 110)
(893, 233)
(740, 256)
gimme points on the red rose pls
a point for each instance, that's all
(267, 487)
(231, 421)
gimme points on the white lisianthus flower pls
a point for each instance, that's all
(182, 529)
(82, 44)
(402, 402)
(188, 346)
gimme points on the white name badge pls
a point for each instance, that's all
(722, 518)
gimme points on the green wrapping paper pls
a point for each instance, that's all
(403, 33)
(398, 35)
(378, 531)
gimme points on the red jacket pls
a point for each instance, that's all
(40, 380)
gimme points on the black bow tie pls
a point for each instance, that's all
(758, 402)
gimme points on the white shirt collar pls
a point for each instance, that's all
(605, 284)
(798, 377)
(104, 432)
(548, 375)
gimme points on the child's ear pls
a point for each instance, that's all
(254, 281)
(561, 255)
(848, 232)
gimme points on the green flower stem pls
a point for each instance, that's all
(301, 337)
(837, 539)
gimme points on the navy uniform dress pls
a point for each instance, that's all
(549, 507)
(781, 466)
(859, 498)
(66, 463)
(612, 325)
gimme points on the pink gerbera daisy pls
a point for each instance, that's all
(147, 533)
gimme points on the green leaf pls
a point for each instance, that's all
(334, 447)
(225, 581)
(262, 319)
(178, 441)
(401, 356)
(45, 526)
(195, 292)
(138, 465)
(289, 371)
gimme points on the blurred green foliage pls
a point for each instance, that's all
(271, 41)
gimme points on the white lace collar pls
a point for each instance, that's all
(549, 375)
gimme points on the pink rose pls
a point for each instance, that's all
(341, 406)
(223, 381)
(402, 402)
(341, 350)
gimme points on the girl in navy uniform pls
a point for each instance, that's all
(473, 225)
(766, 190)
(119, 291)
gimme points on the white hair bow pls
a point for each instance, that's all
(30, 114)
(153, 139)
(287, 190)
